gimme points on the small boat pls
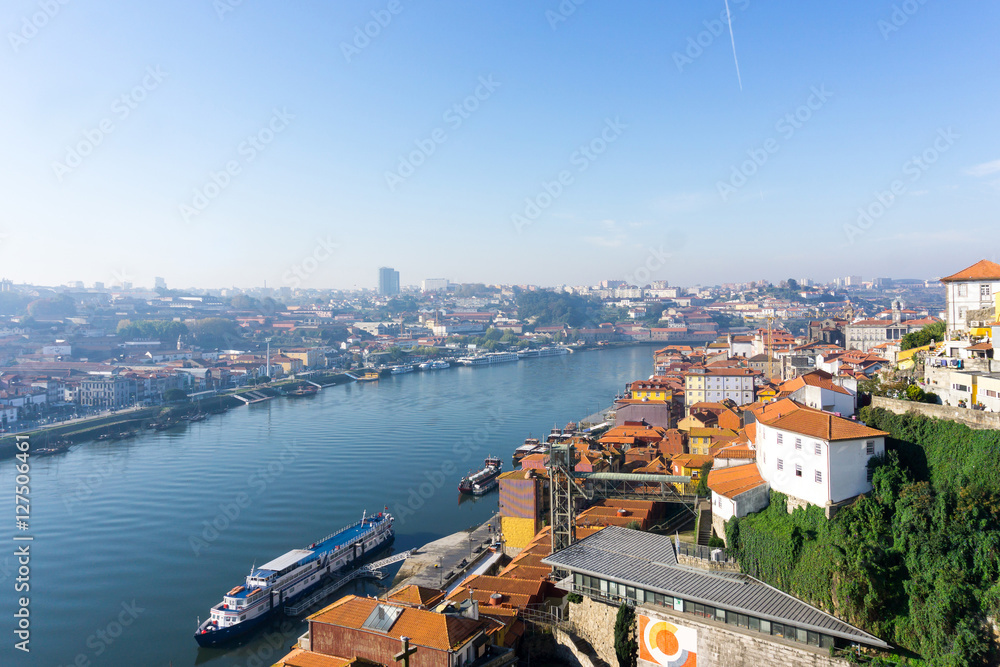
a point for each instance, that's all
(530, 446)
(304, 390)
(402, 368)
(370, 376)
(483, 481)
(434, 365)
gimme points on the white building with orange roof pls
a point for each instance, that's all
(813, 456)
(970, 290)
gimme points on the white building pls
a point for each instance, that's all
(970, 290)
(434, 284)
(815, 456)
(818, 391)
(715, 385)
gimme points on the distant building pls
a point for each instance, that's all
(159, 283)
(98, 285)
(435, 285)
(388, 281)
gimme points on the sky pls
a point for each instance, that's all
(220, 143)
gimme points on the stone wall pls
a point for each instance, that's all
(972, 418)
(595, 622)
(567, 650)
(721, 645)
(707, 564)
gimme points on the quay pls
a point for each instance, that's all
(445, 562)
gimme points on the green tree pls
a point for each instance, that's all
(626, 646)
(703, 489)
(924, 336)
(172, 395)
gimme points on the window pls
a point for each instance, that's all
(870, 447)
(781, 438)
(819, 476)
(984, 291)
(818, 449)
(963, 290)
(781, 464)
(868, 475)
(798, 470)
(798, 443)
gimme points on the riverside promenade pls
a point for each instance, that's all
(442, 562)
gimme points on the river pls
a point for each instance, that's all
(134, 540)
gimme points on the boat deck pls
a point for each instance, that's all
(316, 549)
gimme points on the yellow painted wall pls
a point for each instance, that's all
(517, 533)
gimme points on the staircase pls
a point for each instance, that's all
(704, 524)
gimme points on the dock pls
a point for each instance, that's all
(443, 563)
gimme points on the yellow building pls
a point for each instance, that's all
(700, 440)
(311, 357)
(652, 390)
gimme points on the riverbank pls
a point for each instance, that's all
(122, 422)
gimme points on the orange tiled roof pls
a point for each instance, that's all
(424, 628)
(981, 270)
(731, 482)
(822, 425)
(300, 658)
(504, 585)
(417, 596)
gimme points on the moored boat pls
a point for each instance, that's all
(290, 577)
(483, 481)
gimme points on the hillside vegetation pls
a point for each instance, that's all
(917, 561)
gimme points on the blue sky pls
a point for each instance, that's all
(220, 143)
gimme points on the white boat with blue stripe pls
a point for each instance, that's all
(291, 576)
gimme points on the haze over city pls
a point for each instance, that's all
(219, 144)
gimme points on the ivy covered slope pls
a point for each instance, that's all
(916, 562)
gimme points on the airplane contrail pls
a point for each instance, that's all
(733, 40)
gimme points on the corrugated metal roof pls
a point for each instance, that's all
(649, 562)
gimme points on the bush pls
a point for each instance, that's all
(575, 598)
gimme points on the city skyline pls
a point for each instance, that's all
(625, 141)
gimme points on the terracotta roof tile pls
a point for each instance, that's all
(731, 482)
(981, 270)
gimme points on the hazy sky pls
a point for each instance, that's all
(240, 141)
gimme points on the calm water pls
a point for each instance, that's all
(125, 556)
